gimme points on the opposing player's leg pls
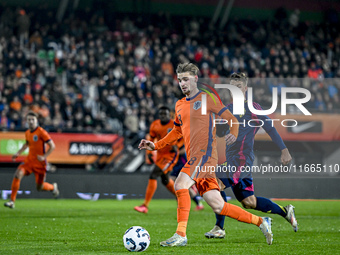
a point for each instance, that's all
(244, 192)
(150, 190)
(18, 175)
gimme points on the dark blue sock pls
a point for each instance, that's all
(220, 218)
(196, 199)
(266, 205)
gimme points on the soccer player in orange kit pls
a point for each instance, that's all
(199, 138)
(35, 162)
(166, 158)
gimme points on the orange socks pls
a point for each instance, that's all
(256, 220)
(15, 187)
(239, 214)
(150, 191)
(170, 186)
(47, 186)
(183, 210)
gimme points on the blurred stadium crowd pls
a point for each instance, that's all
(97, 73)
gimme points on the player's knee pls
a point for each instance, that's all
(153, 176)
(18, 174)
(180, 185)
(217, 208)
(249, 204)
(165, 181)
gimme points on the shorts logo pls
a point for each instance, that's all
(197, 105)
(35, 138)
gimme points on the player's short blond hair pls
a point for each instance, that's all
(187, 67)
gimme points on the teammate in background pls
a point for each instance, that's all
(241, 154)
(35, 162)
(182, 159)
(166, 158)
(200, 145)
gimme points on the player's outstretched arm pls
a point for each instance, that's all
(285, 156)
(231, 137)
(146, 145)
(22, 149)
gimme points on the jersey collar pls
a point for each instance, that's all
(165, 123)
(34, 129)
(191, 98)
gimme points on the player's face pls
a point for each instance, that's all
(187, 82)
(32, 122)
(164, 116)
(240, 85)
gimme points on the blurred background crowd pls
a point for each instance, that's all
(96, 72)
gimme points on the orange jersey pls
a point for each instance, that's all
(159, 131)
(36, 143)
(198, 130)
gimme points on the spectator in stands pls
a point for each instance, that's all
(96, 75)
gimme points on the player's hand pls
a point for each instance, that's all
(146, 145)
(230, 139)
(14, 157)
(41, 158)
(285, 156)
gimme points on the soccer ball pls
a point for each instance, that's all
(136, 239)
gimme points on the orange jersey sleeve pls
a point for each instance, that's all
(223, 111)
(170, 138)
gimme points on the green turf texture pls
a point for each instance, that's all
(39, 226)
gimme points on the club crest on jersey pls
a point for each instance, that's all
(197, 105)
(169, 129)
(35, 138)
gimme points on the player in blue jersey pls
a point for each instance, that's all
(240, 155)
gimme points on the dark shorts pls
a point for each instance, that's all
(238, 177)
(182, 160)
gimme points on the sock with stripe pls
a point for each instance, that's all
(266, 205)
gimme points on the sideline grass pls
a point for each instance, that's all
(86, 227)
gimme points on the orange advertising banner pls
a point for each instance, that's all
(70, 148)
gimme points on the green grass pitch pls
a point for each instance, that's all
(39, 226)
